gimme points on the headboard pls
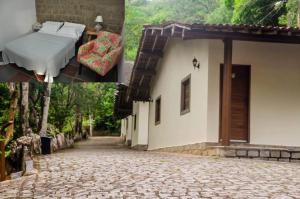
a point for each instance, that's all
(84, 12)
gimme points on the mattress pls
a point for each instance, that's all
(43, 53)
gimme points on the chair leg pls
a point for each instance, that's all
(80, 69)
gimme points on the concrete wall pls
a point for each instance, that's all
(176, 129)
(129, 129)
(140, 134)
(275, 96)
(123, 128)
(83, 12)
(16, 19)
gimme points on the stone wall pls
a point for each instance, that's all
(83, 11)
(274, 154)
(283, 154)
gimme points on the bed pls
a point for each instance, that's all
(45, 52)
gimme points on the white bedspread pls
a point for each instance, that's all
(43, 53)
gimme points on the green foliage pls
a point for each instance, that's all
(2, 138)
(258, 12)
(104, 118)
(221, 14)
(67, 101)
(7, 147)
(292, 9)
(89, 98)
(139, 13)
(4, 103)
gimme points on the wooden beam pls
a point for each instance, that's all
(226, 98)
(140, 87)
(147, 72)
(123, 110)
(189, 35)
(154, 54)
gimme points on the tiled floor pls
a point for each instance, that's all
(101, 168)
(13, 73)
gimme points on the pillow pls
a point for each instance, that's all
(101, 48)
(68, 32)
(114, 38)
(51, 27)
(53, 23)
(79, 27)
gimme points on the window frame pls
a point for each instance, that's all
(157, 119)
(183, 109)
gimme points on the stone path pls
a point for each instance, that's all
(101, 168)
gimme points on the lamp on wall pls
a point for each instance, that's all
(196, 64)
(99, 20)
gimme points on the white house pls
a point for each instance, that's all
(228, 86)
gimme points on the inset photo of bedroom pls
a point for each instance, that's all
(61, 41)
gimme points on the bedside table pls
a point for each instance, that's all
(91, 33)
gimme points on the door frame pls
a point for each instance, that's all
(220, 101)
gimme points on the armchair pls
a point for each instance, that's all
(101, 54)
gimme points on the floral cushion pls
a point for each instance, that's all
(92, 61)
(102, 54)
(101, 65)
(102, 48)
(112, 38)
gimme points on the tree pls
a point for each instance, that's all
(24, 107)
(47, 94)
(12, 110)
(7, 129)
(36, 91)
(139, 12)
(267, 12)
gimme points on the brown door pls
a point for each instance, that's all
(240, 102)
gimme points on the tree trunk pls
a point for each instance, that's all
(47, 94)
(2, 162)
(80, 123)
(24, 107)
(91, 124)
(12, 110)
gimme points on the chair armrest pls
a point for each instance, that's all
(85, 49)
(115, 55)
(110, 60)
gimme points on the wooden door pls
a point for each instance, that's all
(240, 102)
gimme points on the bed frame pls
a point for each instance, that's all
(79, 43)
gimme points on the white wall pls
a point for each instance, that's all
(176, 129)
(129, 128)
(123, 128)
(140, 134)
(274, 100)
(275, 96)
(16, 19)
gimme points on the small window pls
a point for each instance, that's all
(134, 120)
(185, 95)
(126, 123)
(157, 110)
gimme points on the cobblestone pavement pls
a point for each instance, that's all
(91, 170)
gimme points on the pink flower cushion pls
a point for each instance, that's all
(92, 61)
(102, 48)
(103, 64)
(113, 38)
